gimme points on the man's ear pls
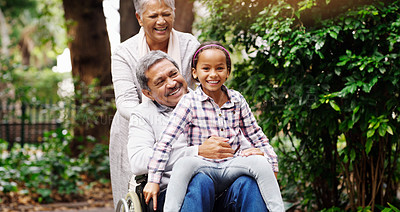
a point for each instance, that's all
(148, 94)
(139, 19)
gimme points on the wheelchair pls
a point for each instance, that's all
(134, 200)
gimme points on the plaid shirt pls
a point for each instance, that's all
(199, 117)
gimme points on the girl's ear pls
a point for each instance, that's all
(194, 73)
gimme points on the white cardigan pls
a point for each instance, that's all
(128, 95)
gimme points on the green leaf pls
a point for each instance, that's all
(353, 154)
(370, 133)
(333, 34)
(368, 146)
(382, 130)
(319, 44)
(334, 105)
(389, 130)
(393, 207)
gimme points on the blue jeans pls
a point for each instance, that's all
(223, 175)
(242, 195)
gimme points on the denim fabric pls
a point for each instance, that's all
(222, 176)
(242, 195)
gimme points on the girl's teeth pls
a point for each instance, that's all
(212, 82)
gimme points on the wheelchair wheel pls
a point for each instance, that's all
(133, 202)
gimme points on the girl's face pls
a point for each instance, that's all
(211, 70)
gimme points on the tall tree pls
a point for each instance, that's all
(91, 62)
(129, 26)
(184, 15)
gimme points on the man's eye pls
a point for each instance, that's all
(153, 16)
(159, 83)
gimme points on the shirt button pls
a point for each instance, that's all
(220, 115)
(222, 130)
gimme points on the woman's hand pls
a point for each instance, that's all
(151, 190)
(252, 151)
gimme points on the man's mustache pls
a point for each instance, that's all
(172, 90)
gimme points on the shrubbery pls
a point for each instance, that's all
(45, 173)
(324, 78)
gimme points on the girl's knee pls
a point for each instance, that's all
(185, 165)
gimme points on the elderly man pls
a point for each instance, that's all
(161, 81)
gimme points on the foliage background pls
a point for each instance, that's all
(323, 78)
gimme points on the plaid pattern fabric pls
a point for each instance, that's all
(199, 117)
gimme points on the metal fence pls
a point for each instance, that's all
(26, 122)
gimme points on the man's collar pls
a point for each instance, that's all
(162, 108)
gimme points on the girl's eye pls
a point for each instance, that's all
(153, 16)
(167, 15)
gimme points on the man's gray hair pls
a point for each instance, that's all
(140, 5)
(146, 62)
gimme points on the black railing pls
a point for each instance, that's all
(26, 122)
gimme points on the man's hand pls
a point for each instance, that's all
(151, 190)
(216, 148)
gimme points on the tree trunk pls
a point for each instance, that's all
(91, 59)
(5, 39)
(184, 16)
(128, 24)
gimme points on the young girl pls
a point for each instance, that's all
(214, 110)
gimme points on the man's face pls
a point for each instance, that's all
(167, 86)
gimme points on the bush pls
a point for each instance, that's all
(46, 173)
(323, 77)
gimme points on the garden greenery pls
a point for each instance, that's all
(46, 173)
(323, 77)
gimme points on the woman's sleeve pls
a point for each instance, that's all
(126, 90)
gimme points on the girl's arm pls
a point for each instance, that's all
(178, 122)
(253, 132)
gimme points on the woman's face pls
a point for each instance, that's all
(157, 21)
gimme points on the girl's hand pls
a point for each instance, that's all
(151, 190)
(252, 151)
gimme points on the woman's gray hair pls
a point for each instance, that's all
(146, 62)
(140, 4)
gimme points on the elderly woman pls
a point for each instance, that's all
(156, 18)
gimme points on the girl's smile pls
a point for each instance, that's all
(212, 72)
